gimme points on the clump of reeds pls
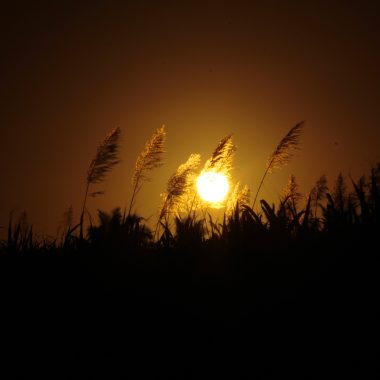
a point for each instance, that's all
(282, 154)
(105, 159)
(150, 158)
(114, 231)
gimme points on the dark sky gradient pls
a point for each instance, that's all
(69, 73)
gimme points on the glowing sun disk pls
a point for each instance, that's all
(212, 187)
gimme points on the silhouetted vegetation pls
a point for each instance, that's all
(303, 270)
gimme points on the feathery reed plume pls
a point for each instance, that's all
(178, 186)
(282, 154)
(244, 196)
(149, 159)
(339, 194)
(239, 197)
(221, 161)
(105, 159)
(222, 157)
(318, 192)
(291, 194)
(291, 189)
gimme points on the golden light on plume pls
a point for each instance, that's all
(212, 187)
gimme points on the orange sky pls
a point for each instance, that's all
(71, 73)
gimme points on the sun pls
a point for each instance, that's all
(212, 187)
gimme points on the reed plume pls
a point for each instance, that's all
(339, 194)
(291, 189)
(221, 161)
(105, 159)
(179, 185)
(318, 192)
(291, 194)
(239, 197)
(282, 154)
(222, 158)
(150, 158)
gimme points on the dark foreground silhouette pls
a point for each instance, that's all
(286, 293)
(304, 310)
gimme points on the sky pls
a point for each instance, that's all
(72, 71)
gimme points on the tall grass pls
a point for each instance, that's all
(322, 211)
(282, 266)
(342, 212)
